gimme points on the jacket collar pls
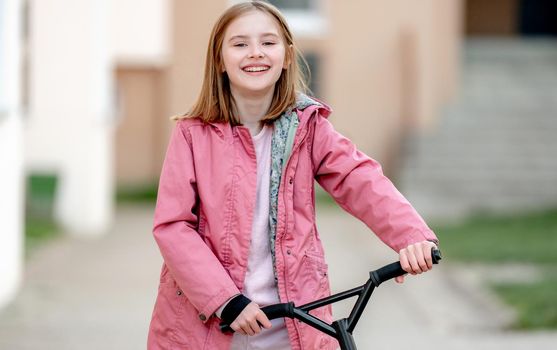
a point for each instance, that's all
(305, 106)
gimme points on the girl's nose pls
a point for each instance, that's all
(256, 52)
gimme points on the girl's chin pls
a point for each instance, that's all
(253, 90)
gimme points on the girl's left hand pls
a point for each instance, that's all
(416, 258)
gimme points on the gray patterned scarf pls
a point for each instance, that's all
(285, 128)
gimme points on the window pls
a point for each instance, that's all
(294, 4)
(305, 17)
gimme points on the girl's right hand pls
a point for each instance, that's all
(250, 320)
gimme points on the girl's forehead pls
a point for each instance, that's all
(253, 23)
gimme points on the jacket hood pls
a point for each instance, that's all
(304, 102)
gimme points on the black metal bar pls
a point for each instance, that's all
(344, 337)
(332, 299)
(314, 322)
(360, 305)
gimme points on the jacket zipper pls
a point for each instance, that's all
(283, 182)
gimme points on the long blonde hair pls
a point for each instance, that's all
(215, 101)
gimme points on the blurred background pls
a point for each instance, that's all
(456, 98)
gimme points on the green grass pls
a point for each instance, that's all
(39, 231)
(535, 303)
(39, 207)
(137, 194)
(527, 238)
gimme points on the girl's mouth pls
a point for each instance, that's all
(255, 69)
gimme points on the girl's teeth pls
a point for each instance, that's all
(255, 69)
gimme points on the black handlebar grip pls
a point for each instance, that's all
(271, 311)
(386, 273)
(436, 255)
(225, 328)
(279, 310)
(395, 269)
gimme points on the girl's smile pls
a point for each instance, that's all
(255, 68)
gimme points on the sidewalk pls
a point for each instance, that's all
(98, 294)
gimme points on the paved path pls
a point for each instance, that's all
(82, 294)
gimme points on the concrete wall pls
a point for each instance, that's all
(11, 185)
(69, 131)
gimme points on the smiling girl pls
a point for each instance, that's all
(235, 214)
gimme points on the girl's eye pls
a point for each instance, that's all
(268, 43)
(240, 45)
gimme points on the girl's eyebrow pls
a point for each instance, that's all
(247, 36)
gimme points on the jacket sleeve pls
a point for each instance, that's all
(358, 185)
(193, 265)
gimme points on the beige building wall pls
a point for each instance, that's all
(140, 49)
(142, 125)
(391, 66)
(149, 96)
(192, 23)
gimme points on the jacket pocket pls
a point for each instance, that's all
(319, 272)
(316, 260)
(170, 316)
(316, 285)
(315, 274)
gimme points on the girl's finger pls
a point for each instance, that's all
(427, 256)
(263, 320)
(236, 328)
(399, 279)
(254, 326)
(248, 329)
(404, 261)
(420, 258)
(413, 261)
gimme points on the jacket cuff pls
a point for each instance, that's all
(234, 308)
(212, 306)
(415, 237)
(218, 313)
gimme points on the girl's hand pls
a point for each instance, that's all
(249, 320)
(416, 258)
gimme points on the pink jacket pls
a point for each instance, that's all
(203, 223)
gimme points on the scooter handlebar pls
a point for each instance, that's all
(377, 277)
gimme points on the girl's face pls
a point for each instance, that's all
(253, 54)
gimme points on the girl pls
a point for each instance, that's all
(235, 219)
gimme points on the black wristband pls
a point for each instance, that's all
(234, 308)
